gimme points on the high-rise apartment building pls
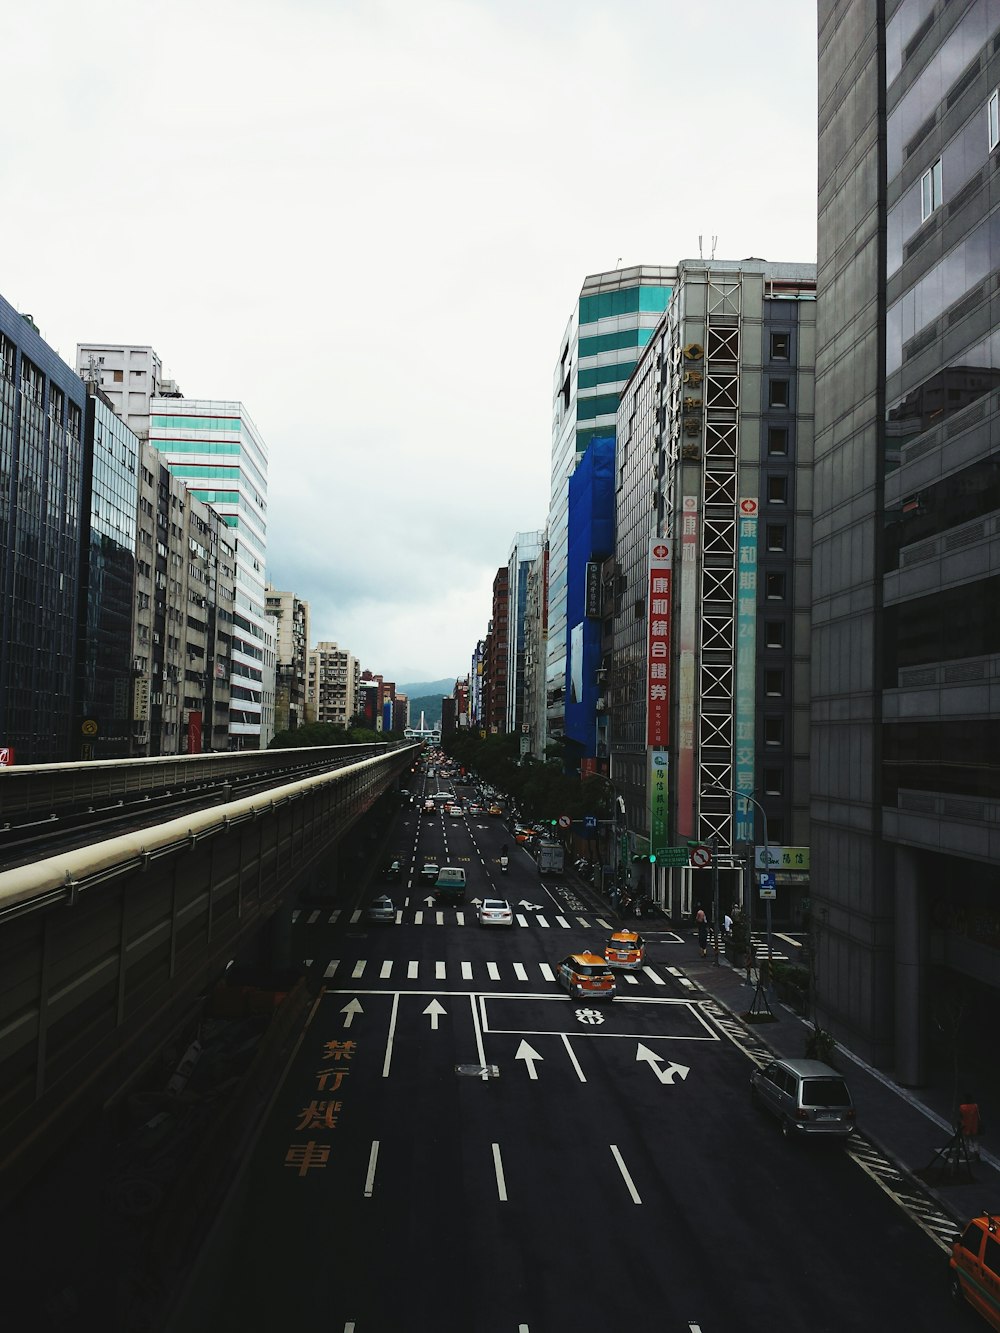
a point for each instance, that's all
(525, 549)
(536, 627)
(292, 636)
(496, 655)
(905, 776)
(130, 377)
(333, 685)
(612, 321)
(42, 524)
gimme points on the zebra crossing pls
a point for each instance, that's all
(422, 916)
(389, 969)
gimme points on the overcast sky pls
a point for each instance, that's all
(369, 220)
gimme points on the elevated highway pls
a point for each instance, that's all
(105, 948)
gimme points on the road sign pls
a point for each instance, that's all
(672, 856)
(6, 756)
(701, 857)
(781, 858)
(590, 822)
(564, 821)
(767, 882)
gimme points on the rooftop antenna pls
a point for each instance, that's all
(715, 242)
(701, 253)
(619, 264)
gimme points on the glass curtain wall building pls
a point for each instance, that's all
(611, 323)
(42, 409)
(905, 773)
(216, 448)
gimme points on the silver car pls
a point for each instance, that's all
(382, 911)
(495, 912)
(807, 1096)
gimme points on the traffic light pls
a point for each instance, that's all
(652, 858)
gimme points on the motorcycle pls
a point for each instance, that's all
(504, 862)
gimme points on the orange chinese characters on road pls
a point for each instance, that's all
(321, 1114)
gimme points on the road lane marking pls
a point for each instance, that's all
(625, 1175)
(466, 971)
(542, 922)
(460, 917)
(440, 972)
(391, 1034)
(546, 971)
(331, 920)
(606, 924)
(370, 1177)
(439, 918)
(359, 968)
(563, 922)
(386, 969)
(521, 921)
(521, 972)
(331, 967)
(583, 922)
(572, 1058)
(654, 976)
(493, 971)
(312, 918)
(477, 1025)
(355, 917)
(411, 971)
(498, 1167)
(418, 918)
(632, 981)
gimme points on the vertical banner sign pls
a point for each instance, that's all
(659, 768)
(593, 593)
(194, 732)
(658, 645)
(688, 624)
(746, 668)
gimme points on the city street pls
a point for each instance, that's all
(459, 1145)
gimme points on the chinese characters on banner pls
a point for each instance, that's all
(746, 667)
(319, 1116)
(688, 629)
(658, 688)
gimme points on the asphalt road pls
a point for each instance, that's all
(457, 1145)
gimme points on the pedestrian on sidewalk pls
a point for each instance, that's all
(702, 922)
(970, 1124)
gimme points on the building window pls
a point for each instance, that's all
(774, 683)
(777, 440)
(930, 191)
(777, 489)
(774, 781)
(774, 731)
(777, 535)
(774, 584)
(781, 344)
(775, 831)
(777, 393)
(993, 115)
(774, 634)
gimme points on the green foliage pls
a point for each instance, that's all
(326, 733)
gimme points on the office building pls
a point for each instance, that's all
(525, 549)
(612, 321)
(905, 777)
(42, 524)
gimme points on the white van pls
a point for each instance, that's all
(449, 887)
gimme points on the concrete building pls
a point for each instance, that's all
(496, 656)
(710, 590)
(42, 522)
(612, 320)
(905, 776)
(525, 549)
(333, 685)
(292, 637)
(536, 625)
(130, 377)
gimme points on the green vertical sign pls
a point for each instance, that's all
(657, 785)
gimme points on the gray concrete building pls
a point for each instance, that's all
(905, 714)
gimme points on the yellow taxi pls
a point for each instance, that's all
(975, 1267)
(586, 976)
(625, 949)
(494, 810)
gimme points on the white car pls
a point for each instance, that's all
(495, 912)
(455, 811)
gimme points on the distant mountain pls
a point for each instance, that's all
(433, 687)
(429, 705)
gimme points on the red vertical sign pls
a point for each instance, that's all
(658, 645)
(194, 732)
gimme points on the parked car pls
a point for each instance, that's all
(807, 1096)
(382, 911)
(975, 1267)
(586, 976)
(495, 912)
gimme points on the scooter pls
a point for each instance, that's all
(504, 862)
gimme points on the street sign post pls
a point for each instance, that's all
(701, 857)
(672, 856)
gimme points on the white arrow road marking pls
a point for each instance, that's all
(429, 900)
(529, 1055)
(435, 1010)
(498, 1167)
(530, 907)
(370, 1177)
(350, 1009)
(477, 902)
(653, 1060)
(625, 1175)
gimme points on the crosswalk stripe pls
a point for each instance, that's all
(332, 967)
(542, 922)
(583, 921)
(466, 971)
(355, 916)
(359, 968)
(632, 981)
(418, 918)
(521, 972)
(653, 976)
(605, 924)
(439, 918)
(411, 971)
(461, 918)
(295, 916)
(563, 922)
(494, 971)
(546, 972)
(521, 921)
(386, 971)
(440, 973)
(332, 918)
(313, 918)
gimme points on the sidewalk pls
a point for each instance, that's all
(907, 1125)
